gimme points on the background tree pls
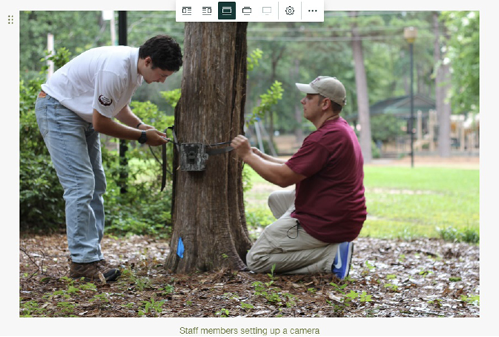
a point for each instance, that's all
(442, 87)
(208, 215)
(464, 56)
(362, 93)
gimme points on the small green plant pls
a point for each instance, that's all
(425, 273)
(167, 290)
(271, 274)
(455, 279)
(222, 312)
(391, 277)
(339, 288)
(392, 287)
(273, 294)
(365, 298)
(369, 268)
(290, 299)
(436, 302)
(152, 307)
(66, 308)
(312, 290)
(102, 298)
(29, 308)
(475, 300)
(247, 306)
(88, 286)
(141, 283)
(351, 296)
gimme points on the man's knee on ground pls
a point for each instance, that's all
(258, 262)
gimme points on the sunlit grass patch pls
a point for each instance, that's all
(404, 203)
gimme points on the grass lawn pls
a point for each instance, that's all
(405, 202)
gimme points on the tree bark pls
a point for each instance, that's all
(442, 87)
(362, 95)
(208, 211)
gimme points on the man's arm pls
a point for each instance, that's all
(266, 156)
(275, 172)
(109, 127)
(127, 117)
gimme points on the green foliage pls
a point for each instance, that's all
(172, 96)
(254, 58)
(475, 299)
(40, 193)
(464, 55)
(347, 298)
(466, 234)
(143, 209)
(151, 307)
(247, 306)
(76, 30)
(273, 294)
(268, 100)
(258, 217)
(222, 312)
(386, 128)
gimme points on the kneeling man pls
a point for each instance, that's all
(317, 222)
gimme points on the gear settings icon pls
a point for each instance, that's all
(290, 10)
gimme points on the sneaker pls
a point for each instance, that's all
(342, 260)
(93, 271)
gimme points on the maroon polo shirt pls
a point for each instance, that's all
(330, 202)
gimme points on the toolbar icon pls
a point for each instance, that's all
(226, 10)
(246, 10)
(290, 10)
(267, 10)
(186, 10)
(206, 10)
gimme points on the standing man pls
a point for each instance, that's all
(315, 225)
(78, 103)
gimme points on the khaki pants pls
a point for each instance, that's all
(286, 245)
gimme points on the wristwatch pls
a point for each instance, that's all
(143, 138)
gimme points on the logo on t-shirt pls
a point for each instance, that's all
(105, 101)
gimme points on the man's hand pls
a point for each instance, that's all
(145, 127)
(242, 147)
(155, 137)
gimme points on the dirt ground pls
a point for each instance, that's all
(389, 278)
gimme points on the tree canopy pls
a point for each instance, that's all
(292, 52)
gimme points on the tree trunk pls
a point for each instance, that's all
(208, 211)
(295, 75)
(362, 97)
(442, 87)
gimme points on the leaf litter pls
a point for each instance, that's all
(388, 278)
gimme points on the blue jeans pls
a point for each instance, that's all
(74, 147)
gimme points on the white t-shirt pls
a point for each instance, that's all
(102, 78)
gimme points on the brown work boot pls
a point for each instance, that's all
(94, 271)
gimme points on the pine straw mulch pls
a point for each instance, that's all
(389, 278)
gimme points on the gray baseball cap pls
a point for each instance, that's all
(328, 87)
